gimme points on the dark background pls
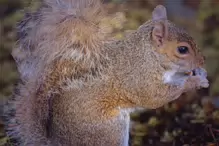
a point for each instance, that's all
(193, 119)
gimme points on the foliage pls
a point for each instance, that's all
(208, 17)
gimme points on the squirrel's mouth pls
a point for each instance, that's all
(196, 72)
(191, 73)
(178, 77)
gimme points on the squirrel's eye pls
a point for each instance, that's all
(183, 49)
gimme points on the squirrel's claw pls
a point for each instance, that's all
(202, 74)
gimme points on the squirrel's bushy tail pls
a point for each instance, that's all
(59, 29)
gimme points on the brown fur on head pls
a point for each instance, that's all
(169, 39)
(175, 43)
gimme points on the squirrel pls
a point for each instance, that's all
(78, 86)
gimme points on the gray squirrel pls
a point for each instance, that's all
(77, 86)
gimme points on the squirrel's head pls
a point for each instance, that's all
(174, 42)
(179, 48)
(166, 61)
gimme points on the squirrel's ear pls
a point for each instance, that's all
(159, 13)
(160, 30)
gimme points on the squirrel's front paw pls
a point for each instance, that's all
(204, 83)
(197, 80)
(202, 75)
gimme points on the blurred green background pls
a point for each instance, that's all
(191, 120)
